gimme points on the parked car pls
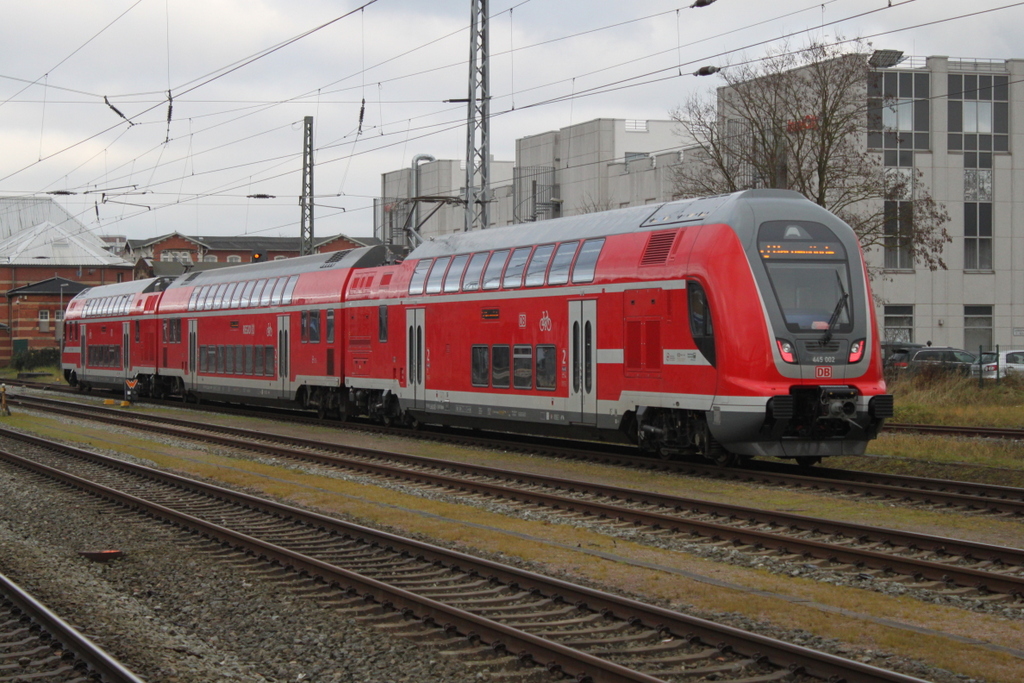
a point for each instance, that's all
(942, 359)
(1004, 362)
(896, 354)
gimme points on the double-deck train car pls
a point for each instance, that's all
(732, 326)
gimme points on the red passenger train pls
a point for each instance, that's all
(732, 326)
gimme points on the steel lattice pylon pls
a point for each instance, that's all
(478, 143)
(306, 199)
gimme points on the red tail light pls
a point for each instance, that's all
(786, 350)
(857, 351)
(899, 365)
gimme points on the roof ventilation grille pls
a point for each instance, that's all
(659, 245)
(335, 257)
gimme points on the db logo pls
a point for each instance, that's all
(522, 320)
(823, 372)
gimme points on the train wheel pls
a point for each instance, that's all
(321, 408)
(711, 450)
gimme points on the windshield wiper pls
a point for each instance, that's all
(827, 337)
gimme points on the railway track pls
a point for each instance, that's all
(931, 562)
(957, 495)
(518, 615)
(37, 645)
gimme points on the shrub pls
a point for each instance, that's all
(37, 358)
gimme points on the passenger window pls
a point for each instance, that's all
(559, 273)
(481, 366)
(236, 294)
(700, 321)
(586, 262)
(290, 289)
(522, 365)
(419, 277)
(514, 272)
(314, 327)
(471, 280)
(258, 361)
(277, 298)
(437, 275)
(267, 292)
(246, 293)
(492, 276)
(222, 296)
(454, 276)
(538, 265)
(382, 323)
(330, 327)
(500, 366)
(547, 369)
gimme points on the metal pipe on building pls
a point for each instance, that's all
(414, 186)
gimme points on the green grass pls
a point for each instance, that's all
(959, 401)
(52, 374)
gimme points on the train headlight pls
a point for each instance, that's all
(786, 350)
(857, 351)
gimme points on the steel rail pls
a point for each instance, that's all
(99, 662)
(554, 655)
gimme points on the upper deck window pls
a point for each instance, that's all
(471, 280)
(539, 265)
(559, 273)
(586, 262)
(437, 275)
(419, 277)
(514, 272)
(492, 276)
(454, 276)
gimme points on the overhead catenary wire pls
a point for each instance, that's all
(634, 83)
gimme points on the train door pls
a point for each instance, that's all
(193, 356)
(82, 358)
(417, 358)
(583, 362)
(283, 351)
(126, 361)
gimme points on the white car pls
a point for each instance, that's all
(1009, 362)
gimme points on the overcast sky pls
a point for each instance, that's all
(237, 104)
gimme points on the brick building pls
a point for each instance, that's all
(46, 257)
(179, 248)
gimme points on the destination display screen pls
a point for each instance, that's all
(798, 241)
(801, 250)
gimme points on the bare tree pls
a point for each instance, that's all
(799, 120)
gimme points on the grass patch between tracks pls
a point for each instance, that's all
(958, 401)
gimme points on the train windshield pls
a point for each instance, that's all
(807, 266)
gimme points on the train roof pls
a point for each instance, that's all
(364, 257)
(121, 288)
(715, 209)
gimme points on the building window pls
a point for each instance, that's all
(898, 235)
(898, 112)
(209, 258)
(44, 315)
(979, 113)
(899, 323)
(234, 258)
(977, 236)
(977, 327)
(280, 258)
